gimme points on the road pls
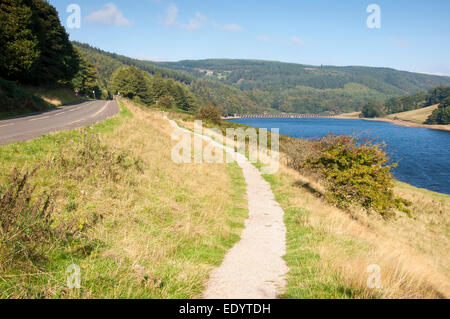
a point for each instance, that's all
(61, 119)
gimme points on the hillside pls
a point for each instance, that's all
(250, 86)
(230, 99)
(289, 87)
(416, 116)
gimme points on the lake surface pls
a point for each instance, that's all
(423, 155)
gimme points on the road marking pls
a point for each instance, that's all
(100, 111)
(41, 118)
(94, 115)
(60, 113)
(7, 125)
(76, 122)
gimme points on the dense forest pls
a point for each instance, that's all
(288, 87)
(36, 51)
(229, 99)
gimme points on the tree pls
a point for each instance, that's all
(19, 49)
(35, 46)
(210, 112)
(159, 88)
(372, 109)
(442, 114)
(133, 83)
(86, 80)
(166, 102)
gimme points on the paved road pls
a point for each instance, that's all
(61, 119)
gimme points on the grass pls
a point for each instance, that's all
(56, 96)
(329, 250)
(416, 116)
(142, 226)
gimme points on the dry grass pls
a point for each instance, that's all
(412, 252)
(330, 250)
(416, 116)
(152, 233)
(56, 96)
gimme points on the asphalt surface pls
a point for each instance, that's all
(60, 119)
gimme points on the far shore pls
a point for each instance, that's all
(397, 122)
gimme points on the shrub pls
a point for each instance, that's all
(355, 171)
(167, 102)
(210, 112)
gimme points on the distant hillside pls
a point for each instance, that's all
(229, 99)
(249, 86)
(289, 87)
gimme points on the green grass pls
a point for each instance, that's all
(307, 277)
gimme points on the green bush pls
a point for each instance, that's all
(354, 171)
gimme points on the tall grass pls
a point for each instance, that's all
(140, 225)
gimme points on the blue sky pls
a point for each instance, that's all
(414, 35)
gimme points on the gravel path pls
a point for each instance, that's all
(254, 267)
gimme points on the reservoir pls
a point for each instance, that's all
(423, 155)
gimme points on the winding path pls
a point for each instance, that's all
(254, 267)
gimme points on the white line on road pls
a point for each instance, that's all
(60, 113)
(7, 125)
(41, 118)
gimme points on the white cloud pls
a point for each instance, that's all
(297, 41)
(262, 38)
(171, 15)
(196, 23)
(109, 14)
(232, 27)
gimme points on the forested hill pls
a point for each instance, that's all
(107, 63)
(250, 86)
(229, 99)
(290, 87)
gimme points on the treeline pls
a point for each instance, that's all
(439, 95)
(36, 51)
(417, 101)
(136, 84)
(442, 114)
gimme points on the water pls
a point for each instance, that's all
(423, 155)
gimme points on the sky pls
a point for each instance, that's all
(411, 35)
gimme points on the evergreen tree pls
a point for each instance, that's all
(35, 46)
(19, 45)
